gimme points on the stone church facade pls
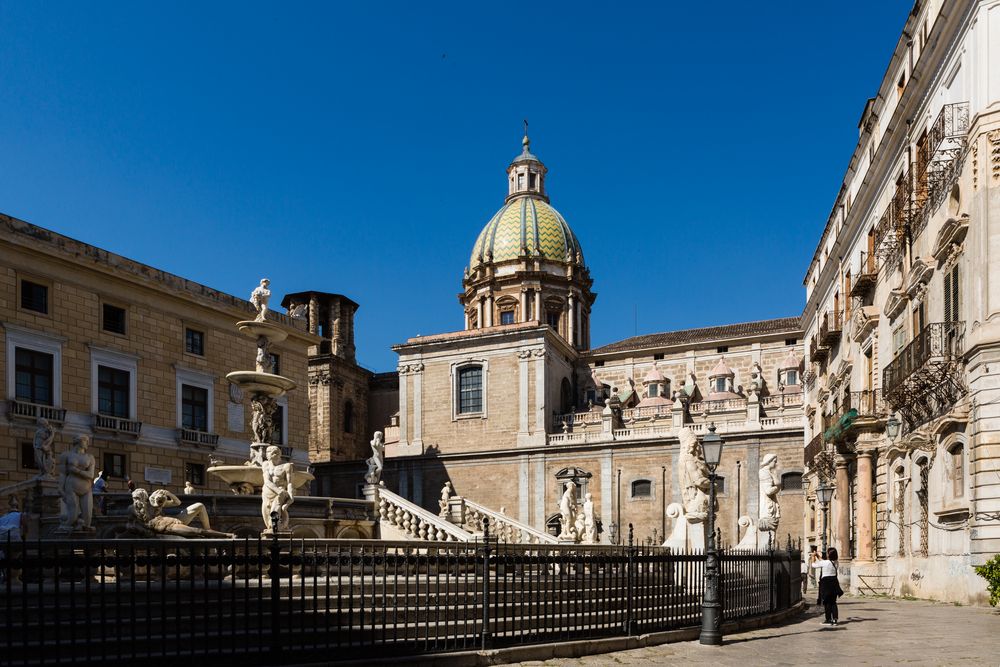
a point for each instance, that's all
(514, 405)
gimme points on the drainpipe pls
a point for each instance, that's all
(739, 478)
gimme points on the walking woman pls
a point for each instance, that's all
(829, 586)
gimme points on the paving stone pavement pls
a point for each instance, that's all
(872, 631)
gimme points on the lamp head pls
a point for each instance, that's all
(711, 445)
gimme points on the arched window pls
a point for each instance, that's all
(957, 453)
(470, 390)
(642, 488)
(791, 481)
(348, 417)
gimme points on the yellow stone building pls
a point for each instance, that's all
(132, 356)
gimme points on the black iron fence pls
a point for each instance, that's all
(281, 601)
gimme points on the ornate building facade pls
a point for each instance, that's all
(517, 403)
(902, 321)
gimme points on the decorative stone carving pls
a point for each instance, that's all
(260, 298)
(262, 420)
(769, 511)
(375, 461)
(443, 502)
(694, 477)
(146, 515)
(189, 489)
(277, 494)
(44, 436)
(567, 514)
(76, 477)
(264, 362)
(749, 540)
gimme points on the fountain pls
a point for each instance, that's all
(264, 389)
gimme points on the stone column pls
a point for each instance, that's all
(404, 436)
(571, 321)
(864, 520)
(313, 315)
(479, 313)
(466, 320)
(524, 306)
(538, 306)
(417, 371)
(843, 511)
(489, 310)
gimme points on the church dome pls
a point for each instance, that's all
(526, 226)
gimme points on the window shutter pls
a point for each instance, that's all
(955, 315)
(947, 297)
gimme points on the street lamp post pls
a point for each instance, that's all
(824, 494)
(711, 607)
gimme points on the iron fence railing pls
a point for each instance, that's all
(252, 602)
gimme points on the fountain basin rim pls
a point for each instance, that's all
(237, 474)
(274, 333)
(261, 383)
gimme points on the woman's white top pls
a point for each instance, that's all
(826, 568)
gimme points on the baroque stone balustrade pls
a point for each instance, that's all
(502, 526)
(668, 430)
(416, 522)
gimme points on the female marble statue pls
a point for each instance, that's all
(694, 477)
(589, 525)
(567, 513)
(43, 449)
(374, 473)
(76, 478)
(769, 509)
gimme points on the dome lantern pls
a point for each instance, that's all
(526, 173)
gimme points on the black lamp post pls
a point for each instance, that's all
(824, 494)
(711, 607)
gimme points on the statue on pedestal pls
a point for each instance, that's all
(769, 509)
(589, 525)
(443, 502)
(567, 514)
(277, 493)
(694, 477)
(375, 462)
(260, 298)
(76, 478)
(44, 436)
(262, 420)
(146, 514)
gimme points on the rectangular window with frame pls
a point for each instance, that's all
(952, 310)
(552, 319)
(276, 363)
(194, 473)
(34, 297)
(113, 392)
(194, 407)
(470, 390)
(115, 465)
(33, 376)
(791, 377)
(28, 456)
(277, 426)
(898, 338)
(194, 342)
(507, 317)
(113, 318)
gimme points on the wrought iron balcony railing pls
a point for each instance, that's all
(867, 276)
(817, 350)
(893, 226)
(831, 326)
(814, 447)
(940, 341)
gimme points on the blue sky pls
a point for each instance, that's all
(360, 147)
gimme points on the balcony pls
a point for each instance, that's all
(939, 157)
(814, 447)
(893, 227)
(831, 327)
(925, 379)
(32, 412)
(860, 410)
(818, 352)
(117, 425)
(867, 276)
(190, 436)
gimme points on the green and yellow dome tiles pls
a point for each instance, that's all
(529, 223)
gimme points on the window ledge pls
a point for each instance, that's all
(470, 415)
(952, 514)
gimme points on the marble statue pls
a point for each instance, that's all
(567, 513)
(589, 525)
(146, 514)
(44, 436)
(263, 408)
(299, 312)
(375, 462)
(260, 298)
(768, 507)
(264, 362)
(443, 502)
(189, 489)
(694, 477)
(277, 493)
(76, 477)
(756, 378)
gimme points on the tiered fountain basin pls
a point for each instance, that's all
(236, 476)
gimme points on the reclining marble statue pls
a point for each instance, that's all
(76, 478)
(146, 515)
